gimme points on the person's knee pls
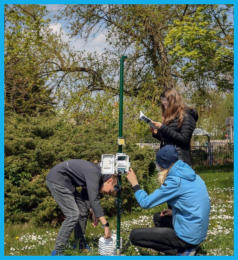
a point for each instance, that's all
(133, 236)
(74, 216)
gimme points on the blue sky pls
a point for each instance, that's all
(95, 43)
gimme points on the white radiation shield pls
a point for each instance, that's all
(111, 164)
(122, 163)
(107, 164)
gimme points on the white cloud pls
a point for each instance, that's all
(53, 8)
(58, 29)
(55, 27)
(96, 43)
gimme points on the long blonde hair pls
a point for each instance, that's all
(163, 174)
(175, 106)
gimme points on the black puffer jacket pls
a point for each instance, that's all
(180, 137)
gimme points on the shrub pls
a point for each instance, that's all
(33, 145)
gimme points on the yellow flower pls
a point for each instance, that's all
(17, 237)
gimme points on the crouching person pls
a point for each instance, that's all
(62, 181)
(181, 229)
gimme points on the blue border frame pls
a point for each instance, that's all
(117, 2)
(1, 130)
(235, 128)
(2, 2)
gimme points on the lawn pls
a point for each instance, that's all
(27, 239)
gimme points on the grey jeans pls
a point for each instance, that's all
(75, 207)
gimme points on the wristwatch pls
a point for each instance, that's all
(105, 225)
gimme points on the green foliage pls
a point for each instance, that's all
(200, 47)
(33, 145)
(213, 114)
(84, 124)
(190, 46)
(28, 239)
(26, 91)
(87, 129)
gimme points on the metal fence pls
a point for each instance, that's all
(213, 153)
(217, 153)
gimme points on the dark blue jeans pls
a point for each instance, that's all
(75, 207)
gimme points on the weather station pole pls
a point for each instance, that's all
(121, 142)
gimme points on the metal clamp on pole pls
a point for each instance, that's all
(121, 141)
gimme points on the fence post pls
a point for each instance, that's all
(209, 151)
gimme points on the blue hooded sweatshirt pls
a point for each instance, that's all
(186, 193)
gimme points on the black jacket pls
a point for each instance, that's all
(79, 173)
(180, 137)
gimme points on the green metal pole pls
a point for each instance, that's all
(120, 132)
(120, 135)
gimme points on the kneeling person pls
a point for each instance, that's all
(183, 227)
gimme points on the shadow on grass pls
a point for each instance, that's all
(150, 252)
(201, 251)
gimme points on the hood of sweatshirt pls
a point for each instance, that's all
(182, 170)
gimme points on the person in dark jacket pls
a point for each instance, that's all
(178, 124)
(185, 225)
(62, 181)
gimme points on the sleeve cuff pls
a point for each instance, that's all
(136, 187)
(162, 127)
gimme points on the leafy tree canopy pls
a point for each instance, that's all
(165, 44)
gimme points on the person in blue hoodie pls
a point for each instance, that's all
(182, 228)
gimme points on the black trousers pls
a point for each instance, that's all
(162, 237)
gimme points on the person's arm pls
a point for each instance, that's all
(98, 214)
(92, 186)
(92, 183)
(167, 191)
(94, 198)
(94, 218)
(105, 225)
(155, 133)
(166, 212)
(184, 136)
(157, 136)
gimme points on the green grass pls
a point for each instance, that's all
(27, 239)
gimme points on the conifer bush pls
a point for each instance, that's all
(33, 145)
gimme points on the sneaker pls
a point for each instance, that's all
(81, 247)
(188, 252)
(53, 253)
(85, 246)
